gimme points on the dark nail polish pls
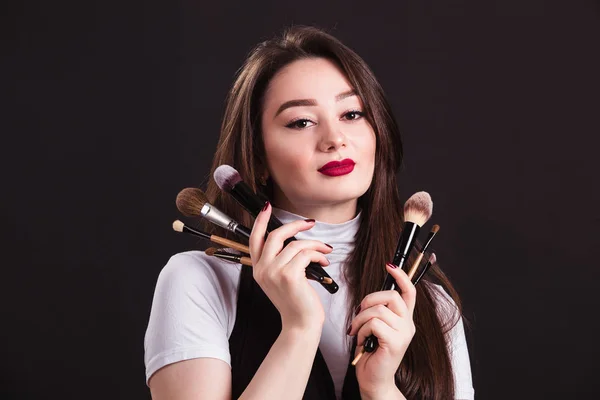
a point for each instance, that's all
(328, 245)
(310, 221)
(392, 265)
(357, 309)
(349, 329)
(266, 206)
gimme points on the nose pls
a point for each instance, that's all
(332, 138)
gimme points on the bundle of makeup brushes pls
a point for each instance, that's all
(417, 211)
(192, 202)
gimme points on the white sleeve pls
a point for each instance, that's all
(458, 350)
(461, 364)
(189, 316)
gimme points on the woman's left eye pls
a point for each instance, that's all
(352, 115)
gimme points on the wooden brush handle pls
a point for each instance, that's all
(415, 266)
(229, 243)
(246, 261)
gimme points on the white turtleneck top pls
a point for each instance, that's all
(195, 303)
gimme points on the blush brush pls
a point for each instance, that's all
(192, 202)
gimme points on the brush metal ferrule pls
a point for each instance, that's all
(228, 257)
(244, 195)
(217, 217)
(407, 239)
(247, 198)
(410, 231)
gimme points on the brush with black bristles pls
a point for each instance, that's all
(432, 260)
(415, 266)
(192, 202)
(417, 211)
(230, 181)
(179, 226)
(223, 255)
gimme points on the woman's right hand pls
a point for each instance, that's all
(280, 272)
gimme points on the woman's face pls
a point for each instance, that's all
(311, 118)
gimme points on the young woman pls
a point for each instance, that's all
(301, 104)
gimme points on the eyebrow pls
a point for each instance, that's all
(312, 102)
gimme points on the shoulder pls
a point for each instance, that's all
(193, 310)
(193, 285)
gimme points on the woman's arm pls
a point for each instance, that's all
(283, 373)
(199, 378)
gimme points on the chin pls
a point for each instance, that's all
(336, 195)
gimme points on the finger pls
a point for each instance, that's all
(407, 289)
(380, 312)
(257, 236)
(274, 242)
(290, 251)
(389, 298)
(301, 260)
(376, 327)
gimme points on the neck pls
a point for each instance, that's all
(330, 213)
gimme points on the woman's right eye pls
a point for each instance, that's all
(299, 124)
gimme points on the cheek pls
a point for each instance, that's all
(286, 156)
(366, 145)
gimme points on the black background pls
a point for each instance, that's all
(111, 109)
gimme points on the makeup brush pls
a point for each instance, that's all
(432, 260)
(192, 202)
(179, 226)
(415, 266)
(230, 181)
(417, 211)
(211, 251)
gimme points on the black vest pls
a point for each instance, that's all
(257, 326)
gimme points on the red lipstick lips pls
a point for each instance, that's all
(338, 168)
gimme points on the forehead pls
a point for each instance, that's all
(312, 78)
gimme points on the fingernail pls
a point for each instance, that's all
(392, 265)
(328, 245)
(266, 206)
(349, 330)
(357, 309)
(310, 221)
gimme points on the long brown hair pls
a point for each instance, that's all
(425, 371)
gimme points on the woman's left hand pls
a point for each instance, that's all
(389, 316)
